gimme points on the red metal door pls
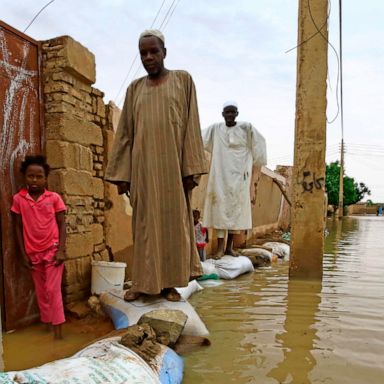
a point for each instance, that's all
(20, 133)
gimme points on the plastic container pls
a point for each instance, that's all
(107, 275)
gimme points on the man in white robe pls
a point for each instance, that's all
(238, 151)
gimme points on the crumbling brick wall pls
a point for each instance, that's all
(74, 119)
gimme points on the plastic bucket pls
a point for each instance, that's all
(107, 275)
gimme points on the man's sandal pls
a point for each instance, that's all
(171, 294)
(131, 296)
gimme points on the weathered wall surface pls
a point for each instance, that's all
(285, 216)
(75, 120)
(118, 211)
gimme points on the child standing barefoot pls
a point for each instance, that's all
(40, 230)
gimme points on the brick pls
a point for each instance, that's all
(61, 154)
(62, 76)
(77, 271)
(55, 86)
(97, 233)
(99, 248)
(100, 107)
(98, 188)
(79, 244)
(104, 255)
(72, 182)
(65, 128)
(78, 60)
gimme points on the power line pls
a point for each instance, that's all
(37, 14)
(137, 54)
(166, 15)
(170, 16)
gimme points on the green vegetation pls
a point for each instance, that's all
(353, 191)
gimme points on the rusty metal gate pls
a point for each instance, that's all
(20, 133)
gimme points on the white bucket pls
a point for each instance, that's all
(107, 275)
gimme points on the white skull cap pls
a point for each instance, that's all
(230, 103)
(152, 32)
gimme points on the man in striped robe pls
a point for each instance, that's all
(158, 157)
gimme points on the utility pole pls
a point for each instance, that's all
(340, 213)
(341, 183)
(307, 242)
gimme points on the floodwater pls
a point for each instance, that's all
(34, 345)
(268, 329)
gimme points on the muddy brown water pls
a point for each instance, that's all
(267, 329)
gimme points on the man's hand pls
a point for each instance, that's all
(123, 187)
(188, 183)
(59, 257)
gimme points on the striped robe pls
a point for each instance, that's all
(158, 142)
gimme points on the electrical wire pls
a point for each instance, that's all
(315, 34)
(137, 54)
(337, 58)
(166, 15)
(37, 14)
(170, 16)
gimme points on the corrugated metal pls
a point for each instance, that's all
(20, 133)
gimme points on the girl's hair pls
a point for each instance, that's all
(35, 160)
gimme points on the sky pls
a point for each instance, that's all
(236, 50)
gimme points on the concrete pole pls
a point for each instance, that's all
(340, 212)
(307, 241)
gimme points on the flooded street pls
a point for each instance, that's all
(266, 329)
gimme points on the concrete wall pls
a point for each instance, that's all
(270, 212)
(363, 209)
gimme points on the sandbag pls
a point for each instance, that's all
(264, 253)
(124, 314)
(209, 267)
(228, 267)
(281, 250)
(211, 283)
(167, 365)
(113, 363)
(188, 291)
(259, 257)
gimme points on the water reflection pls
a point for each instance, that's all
(299, 335)
(268, 330)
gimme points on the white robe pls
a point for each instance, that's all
(234, 151)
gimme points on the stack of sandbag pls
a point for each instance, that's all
(124, 314)
(228, 267)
